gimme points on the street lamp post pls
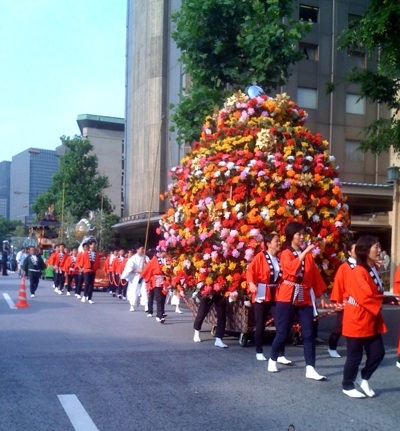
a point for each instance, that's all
(393, 177)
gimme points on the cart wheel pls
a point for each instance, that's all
(214, 330)
(243, 339)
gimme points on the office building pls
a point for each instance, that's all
(31, 175)
(107, 134)
(5, 167)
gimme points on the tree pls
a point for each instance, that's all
(376, 32)
(8, 229)
(227, 45)
(77, 188)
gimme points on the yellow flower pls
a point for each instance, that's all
(232, 266)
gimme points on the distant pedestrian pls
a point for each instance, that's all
(32, 267)
(90, 263)
(21, 255)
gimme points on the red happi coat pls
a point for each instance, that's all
(257, 272)
(85, 264)
(338, 293)
(364, 318)
(153, 275)
(290, 265)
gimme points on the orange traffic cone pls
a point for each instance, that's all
(22, 303)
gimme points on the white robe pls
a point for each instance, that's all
(135, 289)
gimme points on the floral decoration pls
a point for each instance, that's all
(254, 169)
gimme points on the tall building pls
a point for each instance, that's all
(5, 167)
(31, 174)
(107, 135)
(154, 79)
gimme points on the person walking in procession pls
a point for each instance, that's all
(301, 285)
(363, 323)
(32, 267)
(263, 276)
(90, 263)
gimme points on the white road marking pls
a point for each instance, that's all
(10, 302)
(77, 414)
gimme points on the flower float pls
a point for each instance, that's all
(254, 169)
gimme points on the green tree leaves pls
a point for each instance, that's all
(227, 45)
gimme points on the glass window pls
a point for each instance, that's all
(355, 105)
(309, 50)
(308, 13)
(307, 98)
(352, 153)
(357, 59)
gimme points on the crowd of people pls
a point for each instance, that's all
(133, 276)
(282, 277)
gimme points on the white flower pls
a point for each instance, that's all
(217, 174)
(290, 202)
(316, 218)
(239, 215)
(227, 215)
(224, 205)
(230, 165)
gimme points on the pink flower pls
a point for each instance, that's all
(235, 253)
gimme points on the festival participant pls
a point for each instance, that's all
(51, 262)
(363, 323)
(396, 291)
(301, 285)
(219, 301)
(338, 295)
(90, 263)
(21, 255)
(118, 266)
(263, 276)
(133, 274)
(156, 283)
(33, 266)
(108, 269)
(71, 270)
(59, 260)
(79, 263)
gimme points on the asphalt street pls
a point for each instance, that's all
(66, 366)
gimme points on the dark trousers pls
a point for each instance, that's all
(375, 352)
(79, 284)
(111, 285)
(150, 301)
(204, 308)
(56, 276)
(34, 278)
(61, 281)
(337, 331)
(284, 315)
(261, 313)
(72, 278)
(88, 278)
(160, 301)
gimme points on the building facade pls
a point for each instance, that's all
(31, 175)
(107, 135)
(5, 168)
(154, 80)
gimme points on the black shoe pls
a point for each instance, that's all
(164, 316)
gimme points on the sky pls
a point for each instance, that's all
(58, 59)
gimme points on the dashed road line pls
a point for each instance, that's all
(76, 413)
(10, 302)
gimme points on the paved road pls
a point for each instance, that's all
(65, 365)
